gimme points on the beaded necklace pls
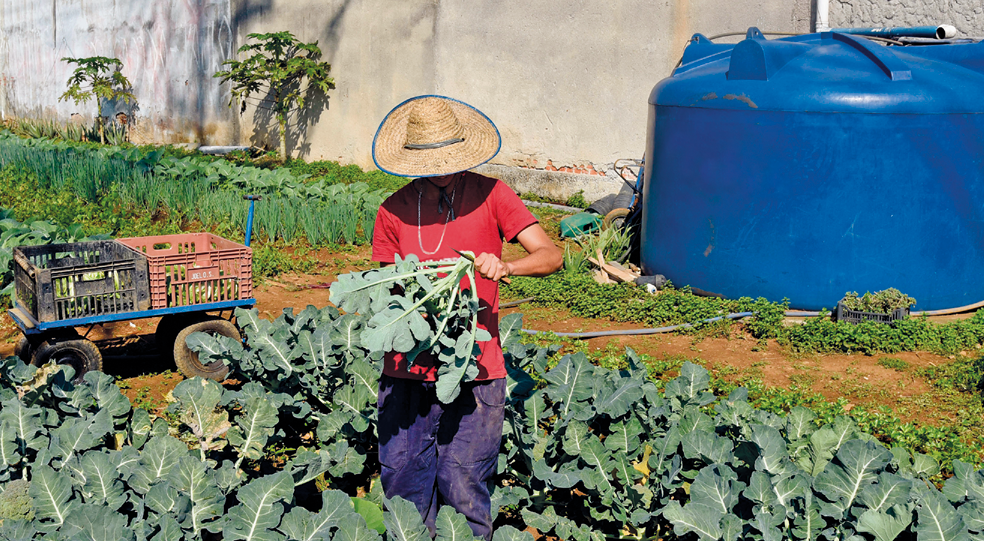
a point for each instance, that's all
(447, 218)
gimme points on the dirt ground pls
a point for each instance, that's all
(131, 355)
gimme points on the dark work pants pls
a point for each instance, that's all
(435, 454)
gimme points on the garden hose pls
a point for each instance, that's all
(949, 311)
(633, 332)
(738, 315)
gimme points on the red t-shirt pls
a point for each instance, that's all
(486, 212)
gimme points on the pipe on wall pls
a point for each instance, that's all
(822, 16)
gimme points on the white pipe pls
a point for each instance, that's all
(945, 31)
(823, 20)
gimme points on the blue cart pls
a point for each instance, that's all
(183, 279)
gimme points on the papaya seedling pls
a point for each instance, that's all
(97, 77)
(276, 66)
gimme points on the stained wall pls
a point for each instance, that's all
(565, 81)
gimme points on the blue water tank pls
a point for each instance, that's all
(809, 166)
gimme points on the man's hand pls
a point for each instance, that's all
(491, 267)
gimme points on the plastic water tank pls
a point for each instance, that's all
(806, 167)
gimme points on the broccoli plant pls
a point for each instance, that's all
(419, 307)
(16, 502)
(97, 77)
(276, 66)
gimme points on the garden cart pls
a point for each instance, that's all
(183, 279)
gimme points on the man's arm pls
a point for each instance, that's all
(544, 257)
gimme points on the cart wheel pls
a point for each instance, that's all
(24, 350)
(615, 217)
(187, 360)
(79, 353)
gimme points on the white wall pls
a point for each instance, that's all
(567, 82)
(169, 51)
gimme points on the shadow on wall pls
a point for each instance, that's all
(112, 109)
(266, 130)
(333, 32)
(247, 11)
(299, 121)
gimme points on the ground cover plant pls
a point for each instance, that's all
(578, 293)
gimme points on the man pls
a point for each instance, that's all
(435, 454)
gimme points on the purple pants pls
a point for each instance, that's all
(435, 454)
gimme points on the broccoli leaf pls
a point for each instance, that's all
(403, 521)
(452, 526)
(260, 509)
(253, 428)
(196, 480)
(52, 493)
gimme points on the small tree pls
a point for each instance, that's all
(97, 77)
(277, 65)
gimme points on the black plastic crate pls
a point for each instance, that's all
(80, 279)
(857, 316)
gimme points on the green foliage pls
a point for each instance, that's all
(97, 77)
(276, 65)
(613, 243)
(578, 201)
(628, 302)
(883, 302)
(822, 335)
(587, 453)
(334, 173)
(134, 190)
(16, 502)
(415, 308)
(575, 260)
(893, 363)
(625, 302)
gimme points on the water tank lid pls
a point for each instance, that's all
(826, 72)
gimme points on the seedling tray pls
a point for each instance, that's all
(80, 279)
(857, 316)
(194, 268)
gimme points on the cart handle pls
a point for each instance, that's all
(249, 217)
(24, 263)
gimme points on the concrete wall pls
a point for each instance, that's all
(169, 49)
(566, 82)
(966, 15)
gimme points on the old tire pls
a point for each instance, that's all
(616, 217)
(187, 360)
(79, 353)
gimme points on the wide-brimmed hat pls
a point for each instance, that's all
(428, 136)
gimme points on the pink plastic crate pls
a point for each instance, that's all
(195, 268)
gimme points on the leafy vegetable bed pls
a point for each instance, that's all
(209, 192)
(588, 453)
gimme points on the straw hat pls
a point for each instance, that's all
(428, 136)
